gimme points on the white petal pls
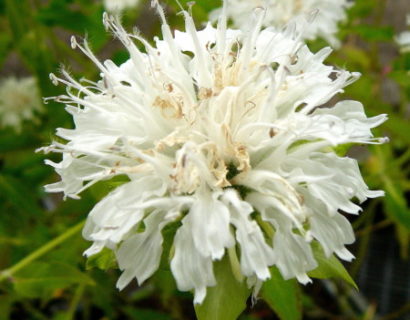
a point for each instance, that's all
(140, 254)
(209, 220)
(294, 255)
(256, 255)
(191, 270)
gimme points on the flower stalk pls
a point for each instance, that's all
(8, 273)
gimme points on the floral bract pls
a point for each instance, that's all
(230, 133)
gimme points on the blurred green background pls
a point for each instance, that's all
(44, 273)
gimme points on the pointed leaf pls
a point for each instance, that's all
(41, 279)
(329, 267)
(395, 203)
(283, 296)
(227, 299)
(104, 260)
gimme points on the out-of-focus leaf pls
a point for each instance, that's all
(104, 294)
(373, 32)
(398, 126)
(363, 84)
(227, 299)
(395, 203)
(137, 314)
(102, 188)
(17, 17)
(104, 260)
(361, 8)
(355, 56)
(19, 196)
(200, 9)
(342, 149)
(87, 21)
(283, 296)
(6, 301)
(165, 282)
(401, 77)
(329, 267)
(9, 141)
(5, 45)
(62, 315)
(40, 279)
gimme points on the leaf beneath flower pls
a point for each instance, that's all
(227, 299)
(283, 296)
(329, 267)
(43, 279)
(103, 260)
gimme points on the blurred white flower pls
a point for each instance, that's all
(119, 5)
(324, 15)
(220, 131)
(403, 39)
(19, 101)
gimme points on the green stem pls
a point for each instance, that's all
(76, 300)
(380, 225)
(7, 273)
(235, 265)
(266, 227)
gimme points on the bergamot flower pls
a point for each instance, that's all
(403, 39)
(325, 15)
(119, 5)
(19, 101)
(228, 136)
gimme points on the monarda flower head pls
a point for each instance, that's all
(19, 101)
(117, 6)
(403, 39)
(227, 134)
(325, 15)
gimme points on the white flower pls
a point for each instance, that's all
(324, 15)
(218, 132)
(119, 5)
(19, 101)
(403, 39)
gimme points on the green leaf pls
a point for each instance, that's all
(145, 314)
(227, 299)
(5, 46)
(342, 149)
(398, 126)
(6, 302)
(373, 32)
(283, 296)
(329, 267)
(19, 195)
(41, 279)
(103, 188)
(103, 260)
(395, 203)
(356, 56)
(88, 19)
(17, 13)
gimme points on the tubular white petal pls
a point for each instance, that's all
(256, 255)
(192, 271)
(209, 221)
(140, 254)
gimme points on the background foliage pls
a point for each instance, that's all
(44, 273)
